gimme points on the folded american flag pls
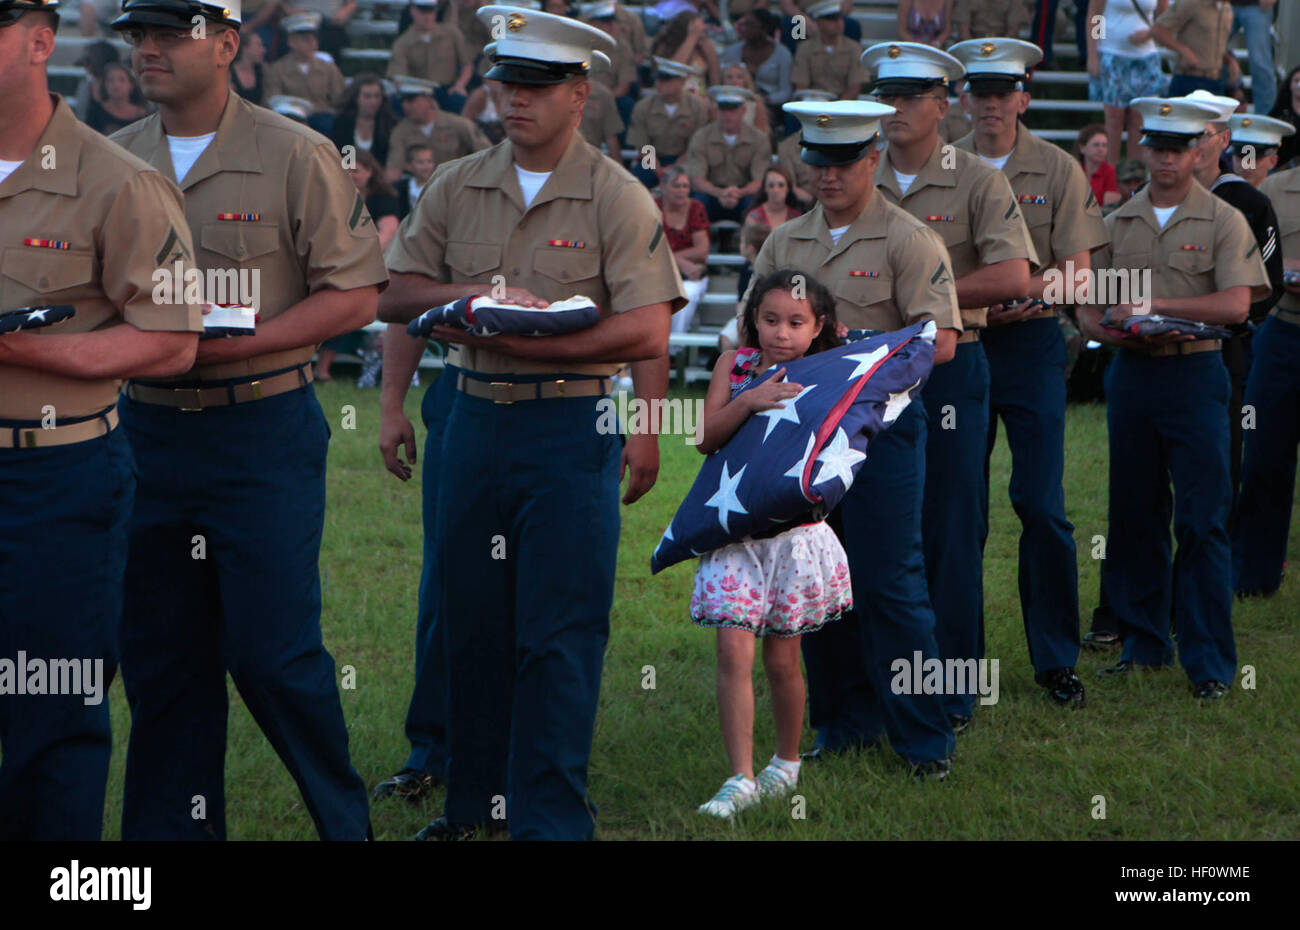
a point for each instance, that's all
(483, 316)
(795, 464)
(34, 317)
(1154, 324)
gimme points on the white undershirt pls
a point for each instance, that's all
(7, 168)
(730, 140)
(186, 151)
(671, 108)
(530, 182)
(904, 180)
(1163, 214)
(838, 232)
(304, 68)
(999, 162)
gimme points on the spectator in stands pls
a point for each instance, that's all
(776, 201)
(622, 79)
(687, 227)
(768, 61)
(1131, 175)
(1043, 29)
(1123, 65)
(980, 19)
(261, 17)
(419, 168)
(365, 121)
(667, 9)
(601, 124)
(1288, 108)
(464, 14)
(481, 108)
(752, 237)
(119, 103)
(631, 30)
(1255, 18)
(793, 8)
(682, 39)
(247, 76)
(95, 13)
(1092, 147)
(94, 57)
(665, 120)
(303, 73)
(333, 16)
(756, 110)
(788, 157)
(381, 203)
(450, 136)
(1198, 31)
(726, 159)
(926, 21)
(829, 61)
(436, 52)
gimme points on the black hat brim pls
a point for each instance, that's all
(906, 87)
(824, 156)
(994, 84)
(173, 15)
(1174, 141)
(532, 71)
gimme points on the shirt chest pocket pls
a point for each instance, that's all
(864, 294)
(568, 266)
(46, 272)
(1192, 263)
(241, 244)
(472, 261)
(954, 230)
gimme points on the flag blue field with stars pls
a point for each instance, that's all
(483, 316)
(794, 464)
(34, 317)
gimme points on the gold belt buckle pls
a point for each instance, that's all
(198, 399)
(559, 388)
(256, 387)
(501, 392)
(29, 438)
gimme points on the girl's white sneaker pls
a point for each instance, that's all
(736, 794)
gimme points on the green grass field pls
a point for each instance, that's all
(1167, 768)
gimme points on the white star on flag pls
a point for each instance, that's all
(776, 415)
(38, 315)
(866, 361)
(837, 459)
(725, 497)
(897, 403)
(796, 470)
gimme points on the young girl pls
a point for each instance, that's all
(774, 588)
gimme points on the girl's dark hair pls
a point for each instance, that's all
(1085, 136)
(790, 199)
(788, 279)
(1283, 103)
(385, 121)
(672, 34)
(378, 183)
(136, 96)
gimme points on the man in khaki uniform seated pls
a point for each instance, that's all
(434, 51)
(302, 73)
(971, 206)
(887, 271)
(1166, 404)
(601, 125)
(726, 159)
(225, 538)
(450, 136)
(665, 120)
(1027, 355)
(86, 227)
(828, 60)
(540, 217)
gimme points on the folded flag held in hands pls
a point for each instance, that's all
(794, 464)
(34, 317)
(483, 316)
(1154, 324)
(233, 320)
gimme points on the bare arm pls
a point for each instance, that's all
(698, 250)
(408, 295)
(120, 351)
(994, 283)
(641, 450)
(317, 317)
(402, 355)
(945, 345)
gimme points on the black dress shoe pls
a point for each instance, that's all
(960, 722)
(443, 830)
(1102, 639)
(931, 770)
(1063, 686)
(410, 784)
(1210, 690)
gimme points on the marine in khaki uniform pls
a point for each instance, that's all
(541, 216)
(300, 73)
(977, 19)
(1272, 390)
(971, 206)
(432, 51)
(85, 224)
(787, 156)
(1027, 355)
(601, 124)
(726, 159)
(887, 271)
(828, 60)
(1166, 404)
(1198, 30)
(450, 136)
(665, 119)
(231, 454)
(1255, 143)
